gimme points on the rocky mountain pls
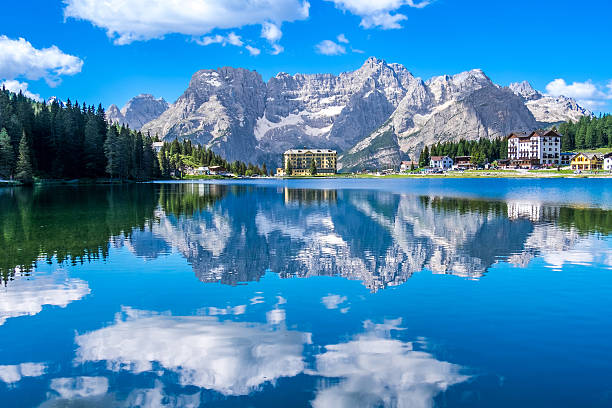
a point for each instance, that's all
(138, 111)
(374, 116)
(549, 109)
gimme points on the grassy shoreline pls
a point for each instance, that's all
(529, 174)
(469, 174)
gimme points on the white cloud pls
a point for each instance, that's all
(380, 371)
(231, 39)
(82, 387)
(333, 301)
(357, 51)
(25, 296)
(232, 358)
(11, 374)
(277, 49)
(16, 86)
(126, 21)
(252, 50)
(234, 39)
(578, 90)
(586, 93)
(378, 13)
(328, 47)
(385, 21)
(19, 59)
(271, 32)
(342, 39)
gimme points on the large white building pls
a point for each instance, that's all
(539, 148)
(441, 162)
(607, 165)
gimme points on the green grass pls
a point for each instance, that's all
(203, 177)
(602, 150)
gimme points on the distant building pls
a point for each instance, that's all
(607, 165)
(299, 161)
(537, 148)
(566, 158)
(216, 170)
(441, 162)
(464, 163)
(587, 161)
(408, 165)
(280, 172)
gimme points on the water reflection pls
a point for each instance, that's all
(27, 296)
(11, 374)
(234, 233)
(232, 358)
(177, 342)
(380, 239)
(376, 370)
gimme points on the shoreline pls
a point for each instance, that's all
(537, 174)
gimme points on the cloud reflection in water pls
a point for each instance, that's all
(233, 358)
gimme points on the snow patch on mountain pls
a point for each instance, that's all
(374, 116)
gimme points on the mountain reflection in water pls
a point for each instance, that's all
(235, 233)
(378, 238)
(100, 305)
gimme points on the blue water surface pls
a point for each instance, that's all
(324, 293)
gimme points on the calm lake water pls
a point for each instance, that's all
(324, 293)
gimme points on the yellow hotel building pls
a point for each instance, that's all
(587, 161)
(298, 160)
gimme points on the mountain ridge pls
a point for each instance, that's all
(375, 116)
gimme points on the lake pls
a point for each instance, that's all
(298, 293)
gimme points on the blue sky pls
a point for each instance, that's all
(110, 50)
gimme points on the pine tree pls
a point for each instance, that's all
(111, 151)
(24, 162)
(313, 168)
(581, 137)
(91, 147)
(589, 137)
(7, 155)
(424, 157)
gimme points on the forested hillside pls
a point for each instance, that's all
(71, 140)
(481, 150)
(587, 133)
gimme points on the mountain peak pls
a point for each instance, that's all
(137, 111)
(525, 90)
(373, 62)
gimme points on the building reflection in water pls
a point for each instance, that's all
(378, 238)
(233, 233)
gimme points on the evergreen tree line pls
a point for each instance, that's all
(72, 140)
(587, 133)
(482, 150)
(66, 141)
(175, 157)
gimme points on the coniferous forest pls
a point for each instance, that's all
(71, 140)
(481, 150)
(587, 133)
